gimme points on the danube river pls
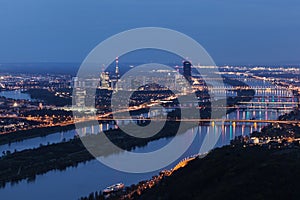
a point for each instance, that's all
(16, 94)
(73, 183)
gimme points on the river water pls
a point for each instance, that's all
(94, 176)
(16, 94)
(54, 138)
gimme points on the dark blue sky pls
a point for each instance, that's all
(232, 31)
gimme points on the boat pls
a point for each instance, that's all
(113, 188)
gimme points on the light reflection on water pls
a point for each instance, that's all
(92, 176)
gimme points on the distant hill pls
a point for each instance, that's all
(40, 67)
(60, 68)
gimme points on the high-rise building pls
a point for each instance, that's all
(117, 68)
(40, 106)
(187, 70)
(117, 75)
(105, 82)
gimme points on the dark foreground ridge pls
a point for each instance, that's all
(234, 173)
(226, 173)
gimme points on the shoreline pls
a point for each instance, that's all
(238, 148)
(67, 154)
(21, 135)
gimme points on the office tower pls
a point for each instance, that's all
(187, 70)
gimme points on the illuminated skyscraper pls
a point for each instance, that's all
(117, 75)
(187, 70)
(117, 68)
(104, 80)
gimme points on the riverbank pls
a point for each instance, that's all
(243, 95)
(225, 173)
(29, 163)
(230, 173)
(243, 164)
(32, 133)
(21, 135)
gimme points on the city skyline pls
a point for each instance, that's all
(145, 100)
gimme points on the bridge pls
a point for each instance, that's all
(204, 120)
(269, 103)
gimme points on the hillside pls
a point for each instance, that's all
(234, 173)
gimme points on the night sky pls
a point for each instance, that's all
(232, 31)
